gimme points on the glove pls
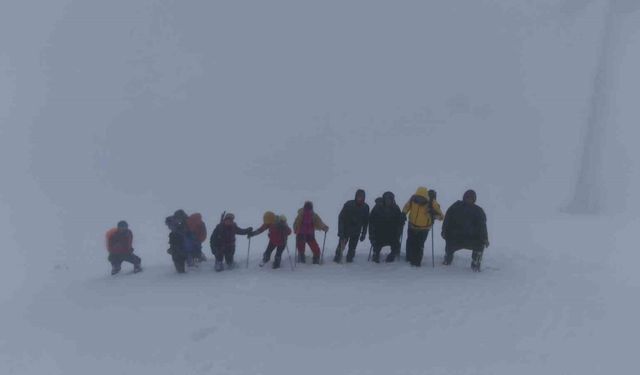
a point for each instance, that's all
(250, 234)
(432, 194)
(325, 229)
(486, 243)
(362, 237)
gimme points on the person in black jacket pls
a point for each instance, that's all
(386, 223)
(465, 227)
(177, 248)
(352, 226)
(223, 241)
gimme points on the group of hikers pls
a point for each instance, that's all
(464, 227)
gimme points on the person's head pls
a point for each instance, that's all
(469, 197)
(308, 206)
(122, 226)
(181, 215)
(269, 218)
(388, 198)
(433, 195)
(360, 196)
(281, 219)
(229, 218)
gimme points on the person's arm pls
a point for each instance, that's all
(319, 224)
(437, 211)
(258, 231)
(407, 207)
(483, 228)
(130, 241)
(243, 231)
(365, 223)
(296, 223)
(213, 242)
(445, 224)
(341, 221)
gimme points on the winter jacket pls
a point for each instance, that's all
(197, 227)
(422, 210)
(225, 235)
(353, 219)
(386, 220)
(119, 242)
(316, 223)
(465, 222)
(278, 232)
(176, 243)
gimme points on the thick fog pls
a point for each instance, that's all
(130, 110)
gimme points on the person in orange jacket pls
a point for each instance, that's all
(119, 242)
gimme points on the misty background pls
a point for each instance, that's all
(133, 109)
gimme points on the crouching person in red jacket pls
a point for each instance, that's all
(119, 246)
(279, 232)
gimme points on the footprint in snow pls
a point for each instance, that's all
(202, 333)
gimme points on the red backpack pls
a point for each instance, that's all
(197, 227)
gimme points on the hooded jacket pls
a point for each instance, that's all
(119, 242)
(353, 219)
(386, 220)
(317, 222)
(422, 210)
(465, 222)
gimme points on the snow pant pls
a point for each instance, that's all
(303, 239)
(225, 253)
(395, 249)
(352, 241)
(452, 246)
(267, 253)
(117, 259)
(179, 260)
(415, 245)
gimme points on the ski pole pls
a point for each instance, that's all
(323, 242)
(248, 251)
(289, 255)
(433, 256)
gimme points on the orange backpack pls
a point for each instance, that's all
(197, 227)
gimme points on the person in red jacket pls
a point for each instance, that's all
(119, 246)
(279, 232)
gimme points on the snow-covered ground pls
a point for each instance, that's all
(131, 110)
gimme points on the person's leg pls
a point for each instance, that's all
(377, 248)
(420, 238)
(278, 257)
(339, 249)
(135, 260)
(450, 248)
(410, 245)
(476, 257)
(315, 249)
(395, 250)
(116, 263)
(178, 262)
(267, 253)
(229, 253)
(300, 245)
(353, 244)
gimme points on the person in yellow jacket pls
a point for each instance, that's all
(305, 225)
(422, 209)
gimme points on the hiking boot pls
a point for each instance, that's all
(338, 257)
(390, 258)
(137, 268)
(115, 270)
(219, 266)
(316, 259)
(276, 263)
(375, 258)
(302, 258)
(350, 256)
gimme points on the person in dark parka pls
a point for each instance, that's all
(177, 248)
(353, 222)
(465, 227)
(223, 241)
(386, 223)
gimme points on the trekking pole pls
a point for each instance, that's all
(248, 251)
(322, 253)
(433, 256)
(370, 250)
(289, 255)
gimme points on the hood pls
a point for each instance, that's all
(422, 192)
(388, 196)
(360, 192)
(269, 218)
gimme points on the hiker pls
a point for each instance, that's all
(279, 232)
(353, 222)
(422, 208)
(465, 227)
(177, 248)
(119, 246)
(386, 223)
(198, 230)
(223, 241)
(305, 225)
